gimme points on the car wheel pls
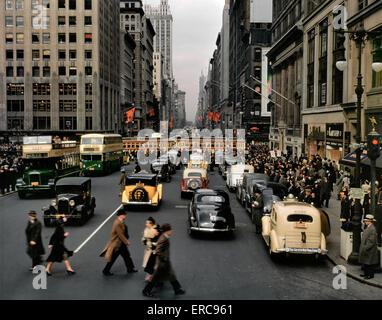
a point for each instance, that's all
(191, 232)
(22, 195)
(83, 218)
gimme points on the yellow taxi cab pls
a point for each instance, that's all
(142, 189)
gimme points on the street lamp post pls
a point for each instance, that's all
(359, 36)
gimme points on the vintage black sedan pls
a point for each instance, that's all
(73, 200)
(210, 211)
(162, 169)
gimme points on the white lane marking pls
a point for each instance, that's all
(181, 207)
(98, 229)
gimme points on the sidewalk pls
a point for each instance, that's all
(333, 245)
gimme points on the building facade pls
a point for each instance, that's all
(286, 60)
(127, 74)
(162, 20)
(250, 38)
(59, 66)
(134, 21)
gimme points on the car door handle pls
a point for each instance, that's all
(303, 237)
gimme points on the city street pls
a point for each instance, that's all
(207, 267)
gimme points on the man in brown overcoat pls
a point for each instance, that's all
(163, 270)
(368, 251)
(117, 245)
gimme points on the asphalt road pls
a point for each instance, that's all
(207, 267)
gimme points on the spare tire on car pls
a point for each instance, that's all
(139, 194)
(194, 184)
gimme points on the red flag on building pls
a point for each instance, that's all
(255, 129)
(130, 115)
(152, 113)
(172, 122)
(216, 117)
(200, 118)
(210, 115)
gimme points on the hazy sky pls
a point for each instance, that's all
(196, 26)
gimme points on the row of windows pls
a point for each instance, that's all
(44, 89)
(45, 106)
(35, 5)
(44, 123)
(46, 71)
(36, 38)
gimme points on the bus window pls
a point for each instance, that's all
(97, 158)
(86, 157)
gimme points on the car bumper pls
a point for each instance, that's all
(34, 189)
(132, 203)
(68, 216)
(211, 230)
(303, 250)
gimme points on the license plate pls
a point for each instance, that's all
(300, 225)
(34, 183)
(91, 169)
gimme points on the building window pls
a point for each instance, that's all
(88, 21)
(88, 71)
(15, 105)
(8, 4)
(20, 55)
(72, 37)
(41, 123)
(15, 89)
(9, 71)
(61, 38)
(35, 55)
(377, 57)
(20, 21)
(35, 38)
(62, 71)
(68, 123)
(9, 38)
(61, 54)
(68, 89)
(46, 54)
(89, 123)
(72, 54)
(88, 4)
(88, 89)
(311, 48)
(46, 38)
(61, 21)
(88, 54)
(338, 55)
(19, 4)
(61, 4)
(88, 106)
(88, 37)
(35, 71)
(41, 105)
(15, 123)
(362, 4)
(9, 54)
(20, 38)
(72, 21)
(20, 71)
(72, 71)
(46, 71)
(41, 89)
(72, 4)
(68, 105)
(9, 21)
(323, 64)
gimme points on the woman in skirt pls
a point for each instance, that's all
(59, 252)
(150, 236)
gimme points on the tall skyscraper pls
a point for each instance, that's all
(59, 66)
(161, 19)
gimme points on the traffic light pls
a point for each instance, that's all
(373, 145)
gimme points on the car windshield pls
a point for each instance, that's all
(300, 218)
(210, 199)
(68, 189)
(195, 174)
(146, 182)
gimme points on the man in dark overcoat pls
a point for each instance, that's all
(368, 250)
(258, 210)
(325, 191)
(163, 269)
(35, 248)
(117, 245)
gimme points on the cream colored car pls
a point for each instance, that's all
(295, 228)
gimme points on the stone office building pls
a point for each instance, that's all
(59, 66)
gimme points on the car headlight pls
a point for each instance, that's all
(54, 203)
(99, 166)
(72, 203)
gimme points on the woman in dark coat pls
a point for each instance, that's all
(149, 268)
(59, 252)
(34, 241)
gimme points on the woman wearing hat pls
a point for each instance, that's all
(34, 241)
(368, 250)
(150, 253)
(59, 252)
(149, 237)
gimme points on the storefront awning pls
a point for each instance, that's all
(351, 159)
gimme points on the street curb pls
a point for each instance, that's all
(7, 194)
(355, 277)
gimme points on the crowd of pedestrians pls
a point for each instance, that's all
(11, 166)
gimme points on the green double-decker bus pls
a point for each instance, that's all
(101, 154)
(46, 160)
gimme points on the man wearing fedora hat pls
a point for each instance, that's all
(368, 251)
(163, 269)
(35, 248)
(117, 245)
